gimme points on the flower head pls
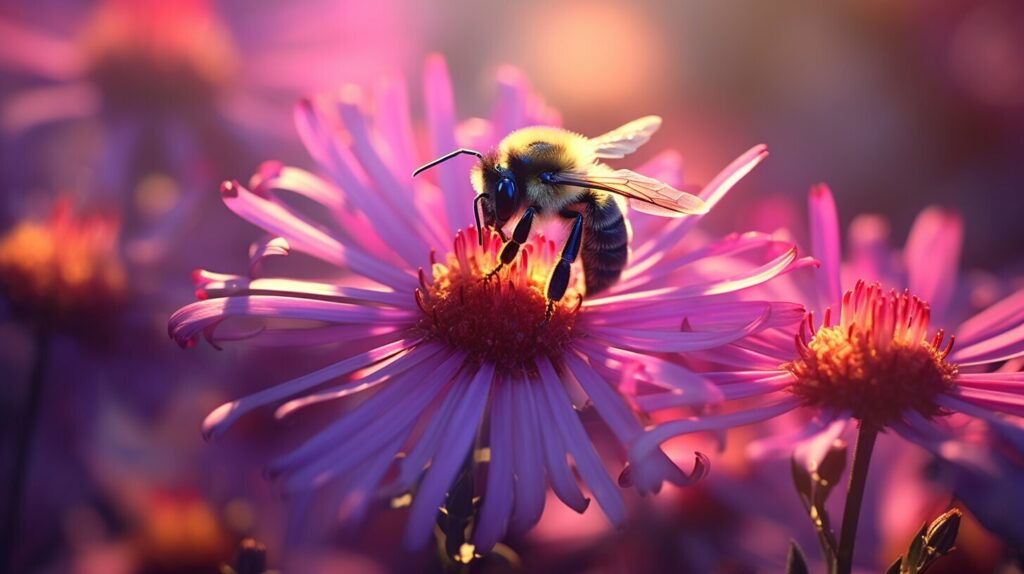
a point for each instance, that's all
(878, 363)
(169, 84)
(64, 271)
(455, 362)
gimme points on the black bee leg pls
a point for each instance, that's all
(511, 247)
(558, 281)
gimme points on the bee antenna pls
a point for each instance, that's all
(445, 158)
(476, 215)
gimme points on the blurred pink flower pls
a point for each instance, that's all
(874, 359)
(174, 85)
(449, 356)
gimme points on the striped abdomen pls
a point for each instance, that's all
(605, 242)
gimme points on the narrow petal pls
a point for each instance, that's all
(203, 316)
(498, 496)
(407, 386)
(712, 193)
(458, 441)
(825, 241)
(1011, 382)
(1004, 402)
(674, 342)
(578, 444)
(1002, 347)
(730, 284)
(996, 319)
(816, 431)
(218, 421)
(932, 257)
(661, 433)
(440, 110)
(529, 463)
(653, 370)
(624, 424)
(305, 289)
(303, 236)
(563, 483)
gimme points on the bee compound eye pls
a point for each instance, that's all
(505, 202)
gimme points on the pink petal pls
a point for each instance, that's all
(399, 401)
(674, 342)
(451, 175)
(349, 175)
(932, 257)
(395, 192)
(825, 243)
(1001, 316)
(868, 252)
(529, 464)
(1002, 347)
(458, 442)
(712, 193)
(661, 433)
(578, 444)
(203, 316)
(306, 289)
(303, 236)
(1012, 382)
(1012, 402)
(563, 483)
(497, 500)
(218, 421)
(509, 113)
(737, 282)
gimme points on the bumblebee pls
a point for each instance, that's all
(546, 172)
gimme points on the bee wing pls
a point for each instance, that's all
(646, 194)
(626, 139)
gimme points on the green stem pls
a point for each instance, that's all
(855, 496)
(16, 493)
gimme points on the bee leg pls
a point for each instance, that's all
(558, 281)
(511, 247)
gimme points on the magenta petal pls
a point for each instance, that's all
(306, 289)
(451, 175)
(1006, 402)
(457, 441)
(578, 444)
(563, 483)
(712, 193)
(203, 316)
(497, 503)
(529, 463)
(1002, 347)
(932, 257)
(409, 388)
(825, 242)
(223, 416)
(620, 419)
(994, 320)
(661, 433)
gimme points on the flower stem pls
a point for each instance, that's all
(855, 496)
(16, 494)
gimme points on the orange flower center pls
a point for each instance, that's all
(878, 362)
(496, 320)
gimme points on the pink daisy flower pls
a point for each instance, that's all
(452, 364)
(874, 357)
(182, 78)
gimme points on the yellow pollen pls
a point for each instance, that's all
(877, 363)
(496, 320)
